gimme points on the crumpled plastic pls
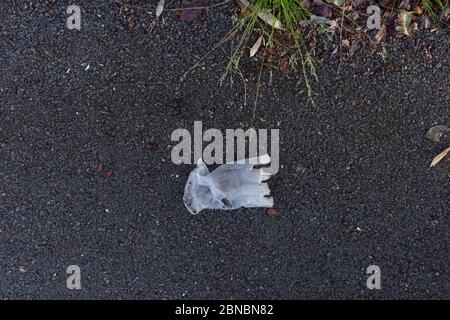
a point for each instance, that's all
(230, 186)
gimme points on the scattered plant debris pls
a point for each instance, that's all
(439, 157)
(435, 133)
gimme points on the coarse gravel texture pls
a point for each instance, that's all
(354, 188)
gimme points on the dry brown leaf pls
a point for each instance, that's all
(333, 24)
(271, 212)
(345, 43)
(353, 15)
(160, 8)
(418, 10)
(256, 46)
(381, 33)
(284, 65)
(130, 23)
(439, 157)
(100, 167)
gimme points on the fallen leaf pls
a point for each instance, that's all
(359, 3)
(110, 173)
(270, 19)
(308, 4)
(418, 10)
(264, 15)
(160, 8)
(435, 133)
(338, 3)
(385, 3)
(406, 27)
(445, 15)
(333, 24)
(284, 65)
(256, 46)
(424, 22)
(271, 212)
(190, 14)
(323, 11)
(152, 147)
(353, 15)
(381, 33)
(439, 157)
(100, 167)
(404, 4)
(130, 23)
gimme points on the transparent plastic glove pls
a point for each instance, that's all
(230, 186)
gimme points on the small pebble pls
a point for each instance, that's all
(271, 212)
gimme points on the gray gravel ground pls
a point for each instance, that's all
(354, 188)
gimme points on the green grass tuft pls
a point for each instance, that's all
(273, 17)
(434, 7)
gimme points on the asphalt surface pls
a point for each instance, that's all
(354, 189)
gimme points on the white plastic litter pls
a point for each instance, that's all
(230, 186)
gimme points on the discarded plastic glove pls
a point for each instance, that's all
(230, 186)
